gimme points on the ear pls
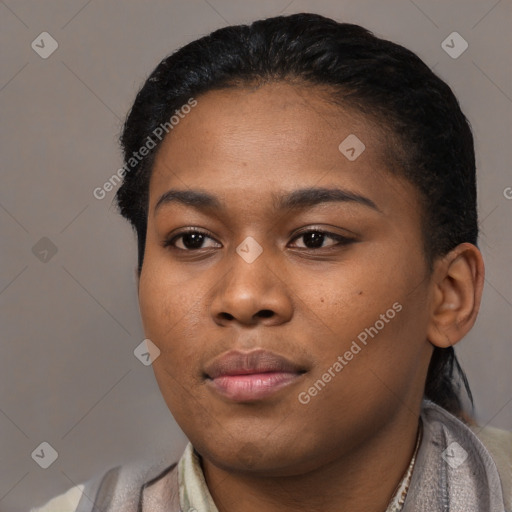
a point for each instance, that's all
(458, 281)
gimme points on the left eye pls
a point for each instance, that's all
(315, 239)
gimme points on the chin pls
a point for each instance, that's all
(258, 457)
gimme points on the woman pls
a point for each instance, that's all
(304, 199)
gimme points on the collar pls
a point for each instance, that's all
(450, 470)
(194, 493)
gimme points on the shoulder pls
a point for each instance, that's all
(121, 486)
(67, 502)
(490, 444)
(499, 445)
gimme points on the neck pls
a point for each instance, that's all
(362, 480)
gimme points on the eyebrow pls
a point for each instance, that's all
(297, 199)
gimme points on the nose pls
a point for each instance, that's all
(252, 293)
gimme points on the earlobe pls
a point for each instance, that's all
(457, 291)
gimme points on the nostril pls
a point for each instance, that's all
(265, 313)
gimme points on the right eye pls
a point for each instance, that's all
(191, 240)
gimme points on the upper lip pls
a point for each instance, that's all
(245, 363)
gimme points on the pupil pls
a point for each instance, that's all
(316, 238)
(195, 238)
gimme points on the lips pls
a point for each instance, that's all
(250, 376)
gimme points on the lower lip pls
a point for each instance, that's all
(252, 387)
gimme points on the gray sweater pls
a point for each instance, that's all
(454, 472)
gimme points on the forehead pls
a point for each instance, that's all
(256, 124)
(274, 137)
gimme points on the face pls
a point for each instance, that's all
(288, 291)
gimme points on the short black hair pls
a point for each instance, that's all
(431, 143)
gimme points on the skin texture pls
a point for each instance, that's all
(348, 447)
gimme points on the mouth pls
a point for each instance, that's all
(251, 376)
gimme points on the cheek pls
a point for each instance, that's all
(351, 297)
(164, 295)
(373, 314)
(171, 319)
(171, 315)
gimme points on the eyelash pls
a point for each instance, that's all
(342, 240)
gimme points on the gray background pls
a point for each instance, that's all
(69, 325)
